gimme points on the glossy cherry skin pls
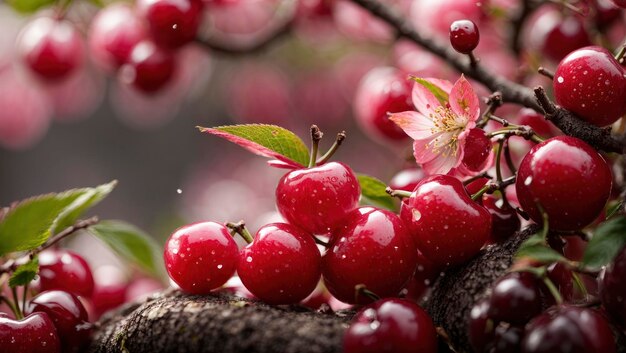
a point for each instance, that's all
(566, 36)
(568, 178)
(407, 179)
(464, 36)
(65, 270)
(569, 329)
(282, 265)
(173, 23)
(507, 339)
(50, 48)
(480, 327)
(149, 67)
(316, 199)
(372, 247)
(515, 298)
(477, 149)
(382, 91)
(391, 325)
(447, 226)
(33, 334)
(613, 289)
(592, 84)
(68, 315)
(426, 273)
(504, 219)
(620, 3)
(200, 257)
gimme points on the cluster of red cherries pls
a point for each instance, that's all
(138, 42)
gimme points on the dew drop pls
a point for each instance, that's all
(249, 259)
(560, 79)
(528, 181)
(219, 267)
(179, 191)
(416, 215)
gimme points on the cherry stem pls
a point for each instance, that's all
(441, 332)
(492, 186)
(11, 306)
(580, 284)
(508, 158)
(401, 194)
(493, 102)
(240, 228)
(498, 159)
(545, 72)
(514, 130)
(361, 289)
(320, 242)
(316, 136)
(18, 314)
(476, 177)
(24, 295)
(338, 141)
(568, 6)
(621, 53)
(473, 59)
(545, 228)
(553, 290)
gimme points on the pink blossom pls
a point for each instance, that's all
(440, 126)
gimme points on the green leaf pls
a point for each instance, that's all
(265, 140)
(29, 6)
(373, 191)
(29, 223)
(536, 248)
(612, 208)
(441, 95)
(24, 274)
(90, 198)
(131, 243)
(608, 239)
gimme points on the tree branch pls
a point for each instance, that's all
(278, 35)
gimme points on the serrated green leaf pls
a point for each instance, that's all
(131, 243)
(441, 95)
(24, 274)
(29, 6)
(536, 248)
(373, 191)
(265, 140)
(608, 239)
(90, 198)
(29, 223)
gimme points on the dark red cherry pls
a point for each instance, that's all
(201, 257)
(149, 67)
(477, 149)
(447, 226)
(282, 265)
(536, 121)
(504, 219)
(464, 36)
(382, 91)
(407, 179)
(564, 37)
(33, 334)
(426, 273)
(481, 328)
(569, 329)
(507, 339)
(316, 199)
(613, 289)
(476, 185)
(620, 3)
(391, 325)
(65, 270)
(372, 247)
(568, 178)
(592, 84)
(50, 48)
(68, 315)
(515, 298)
(173, 23)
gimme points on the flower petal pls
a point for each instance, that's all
(422, 151)
(443, 164)
(463, 99)
(414, 124)
(423, 99)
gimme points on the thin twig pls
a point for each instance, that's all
(278, 35)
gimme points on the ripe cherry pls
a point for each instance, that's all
(391, 325)
(173, 23)
(464, 36)
(613, 289)
(382, 91)
(200, 257)
(620, 3)
(477, 149)
(481, 328)
(565, 36)
(426, 273)
(149, 67)
(33, 334)
(448, 227)
(515, 298)
(50, 48)
(592, 84)
(568, 178)
(536, 121)
(282, 265)
(507, 339)
(316, 199)
(65, 270)
(407, 179)
(504, 219)
(68, 315)
(569, 329)
(372, 247)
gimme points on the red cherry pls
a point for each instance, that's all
(477, 149)
(65, 270)
(536, 121)
(425, 275)
(391, 325)
(592, 84)
(109, 291)
(382, 91)
(372, 248)
(281, 266)
(149, 67)
(316, 199)
(33, 334)
(173, 23)
(68, 316)
(504, 219)
(565, 36)
(620, 3)
(51, 48)
(448, 227)
(476, 185)
(464, 36)
(569, 329)
(568, 178)
(515, 298)
(480, 326)
(200, 257)
(113, 34)
(407, 179)
(613, 289)
(507, 339)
